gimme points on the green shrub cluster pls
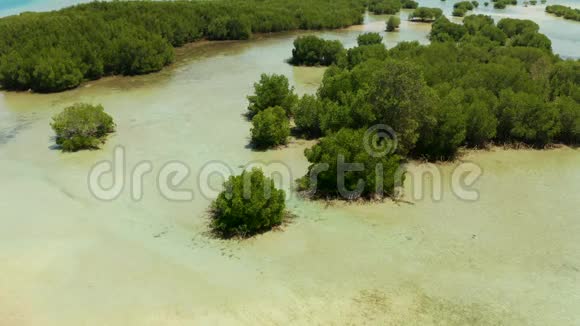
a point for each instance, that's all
(82, 126)
(502, 4)
(393, 23)
(270, 107)
(55, 51)
(384, 7)
(347, 145)
(477, 83)
(480, 28)
(425, 14)
(313, 51)
(563, 11)
(249, 205)
(390, 7)
(369, 39)
(272, 90)
(270, 128)
(462, 7)
(409, 4)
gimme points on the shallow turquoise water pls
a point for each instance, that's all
(13, 7)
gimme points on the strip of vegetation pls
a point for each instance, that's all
(82, 126)
(390, 7)
(55, 51)
(425, 14)
(563, 11)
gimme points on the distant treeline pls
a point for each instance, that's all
(390, 7)
(55, 51)
(563, 11)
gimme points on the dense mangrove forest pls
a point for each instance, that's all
(476, 84)
(55, 51)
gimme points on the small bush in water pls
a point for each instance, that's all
(249, 205)
(82, 126)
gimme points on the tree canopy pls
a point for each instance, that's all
(393, 23)
(270, 128)
(563, 11)
(272, 90)
(313, 51)
(56, 51)
(369, 39)
(425, 14)
(82, 126)
(476, 83)
(347, 146)
(250, 204)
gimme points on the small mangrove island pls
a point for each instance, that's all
(82, 126)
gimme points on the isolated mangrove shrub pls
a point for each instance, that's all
(314, 51)
(82, 126)
(250, 204)
(393, 23)
(270, 128)
(272, 90)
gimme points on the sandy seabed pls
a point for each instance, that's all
(510, 258)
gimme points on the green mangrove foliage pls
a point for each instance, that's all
(476, 83)
(409, 4)
(393, 23)
(502, 4)
(462, 7)
(270, 128)
(480, 28)
(250, 204)
(384, 7)
(565, 12)
(425, 14)
(82, 126)
(272, 91)
(369, 39)
(55, 51)
(390, 7)
(346, 146)
(313, 51)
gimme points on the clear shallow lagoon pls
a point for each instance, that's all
(513, 257)
(12, 7)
